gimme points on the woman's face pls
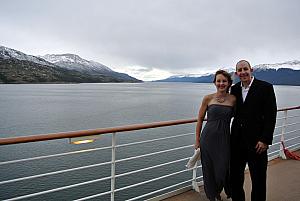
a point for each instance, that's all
(221, 83)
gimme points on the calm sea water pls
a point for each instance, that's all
(48, 108)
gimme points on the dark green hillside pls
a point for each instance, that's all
(16, 71)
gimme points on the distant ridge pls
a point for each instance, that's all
(75, 62)
(281, 76)
(286, 73)
(18, 67)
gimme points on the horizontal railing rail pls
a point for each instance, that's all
(100, 131)
(275, 150)
(288, 108)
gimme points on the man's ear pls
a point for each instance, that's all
(251, 70)
(235, 73)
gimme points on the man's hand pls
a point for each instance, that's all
(261, 147)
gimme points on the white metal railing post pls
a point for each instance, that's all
(113, 167)
(194, 182)
(281, 151)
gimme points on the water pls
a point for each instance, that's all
(48, 108)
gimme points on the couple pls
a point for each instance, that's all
(224, 155)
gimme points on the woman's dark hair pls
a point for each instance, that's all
(225, 74)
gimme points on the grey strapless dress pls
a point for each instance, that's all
(215, 150)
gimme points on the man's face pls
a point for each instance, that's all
(244, 71)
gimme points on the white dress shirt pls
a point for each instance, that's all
(246, 89)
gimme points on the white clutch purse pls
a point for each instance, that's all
(193, 160)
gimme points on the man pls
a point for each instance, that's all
(251, 132)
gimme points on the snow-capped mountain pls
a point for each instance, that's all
(190, 75)
(295, 65)
(8, 53)
(18, 67)
(75, 62)
(286, 73)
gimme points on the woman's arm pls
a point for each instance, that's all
(201, 116)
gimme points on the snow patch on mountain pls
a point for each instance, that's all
(8, 53)
(75, 62)
(295, 65)
(190, 75)
(202, 73)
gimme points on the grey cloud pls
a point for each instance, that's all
(172, 35)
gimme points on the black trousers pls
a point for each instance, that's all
(242, 154)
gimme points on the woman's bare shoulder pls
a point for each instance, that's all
(208, 97)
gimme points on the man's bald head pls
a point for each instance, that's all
(243, 63)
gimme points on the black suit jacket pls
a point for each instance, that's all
(255, 119)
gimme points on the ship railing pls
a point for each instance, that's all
(283, 134)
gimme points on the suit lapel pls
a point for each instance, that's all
(239, 93)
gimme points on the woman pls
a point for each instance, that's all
(214, 142)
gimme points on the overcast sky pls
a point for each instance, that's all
(153, 39)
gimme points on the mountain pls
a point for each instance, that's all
(295, 65)
(286, 73)
(18, 67)
(280, 76)
(74, 62)
(189, 78)
(8, 53)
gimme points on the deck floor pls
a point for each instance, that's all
(283, 183)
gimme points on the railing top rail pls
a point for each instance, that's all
(289, 108)
(100, 131)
